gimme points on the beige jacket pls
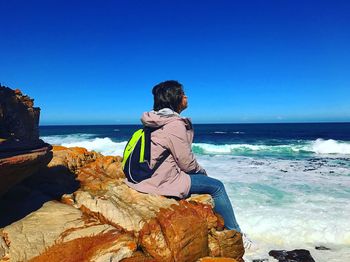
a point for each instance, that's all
(175, 134)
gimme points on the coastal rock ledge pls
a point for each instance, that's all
(102, 219)
(22, 153)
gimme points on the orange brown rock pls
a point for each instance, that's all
(227, 243)
(177, 234)
(217, 259)
(73, 158)
(98, 174)
(138, 256)
(206, 212)
(84, 249)
(166, 229)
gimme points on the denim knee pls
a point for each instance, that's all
(219, 187)
(201, 184)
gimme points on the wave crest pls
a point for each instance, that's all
(330, 146)
(319, 146)
(108, 147)
(104, 145)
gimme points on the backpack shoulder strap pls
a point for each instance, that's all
(131, 145)
(148, 131)
(161, 160)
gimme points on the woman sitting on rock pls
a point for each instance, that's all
(179, 175)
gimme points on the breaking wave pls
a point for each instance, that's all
(319, 147)
(104, 145)
(108, 147)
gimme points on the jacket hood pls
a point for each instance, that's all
(159, 118)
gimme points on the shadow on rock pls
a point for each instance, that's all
(50, 183)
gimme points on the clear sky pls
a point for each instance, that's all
(95, 62)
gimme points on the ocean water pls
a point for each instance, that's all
(289, 184)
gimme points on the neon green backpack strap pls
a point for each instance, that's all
(131, 145)
(142, 149)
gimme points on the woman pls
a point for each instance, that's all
(179, 175)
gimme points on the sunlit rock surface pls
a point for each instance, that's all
(59, 232)
(105, 220)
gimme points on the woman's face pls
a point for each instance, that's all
(184, 103)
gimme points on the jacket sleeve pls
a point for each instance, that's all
(181, 150)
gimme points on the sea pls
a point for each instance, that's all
(289, 184)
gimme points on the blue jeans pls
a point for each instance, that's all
(201, 184)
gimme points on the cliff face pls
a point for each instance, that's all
(105, 220)
(19, 120)
(21, 151)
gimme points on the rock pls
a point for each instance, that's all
(22, 153)
(217, 259)
(204, 199)
(178, 233)
(206, 211)
(139, 256)
(162, 229)
(70, 237)
(297, 255)
(121, 206)
(100, 174)
(322, 248)
(49, 183)
(19, 118)
(227, 243)
(17, 167)
(72, 158)
(168, 230)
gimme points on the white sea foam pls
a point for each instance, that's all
(231, 148)
(70, 138)
(330, 146)
(233, 132)
(104, 145)
(288, 204)
(107, 146)
(319, 146)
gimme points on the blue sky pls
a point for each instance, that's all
(95, 62)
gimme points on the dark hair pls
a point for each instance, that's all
(168, 94)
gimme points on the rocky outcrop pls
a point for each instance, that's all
(119, 222)
(22, 153)
(59, 232)
(72, 158)
(16, 168)
(299, 255)
(20, 119)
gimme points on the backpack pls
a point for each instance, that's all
(137, 156)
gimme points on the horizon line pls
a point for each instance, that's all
(213, 123)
